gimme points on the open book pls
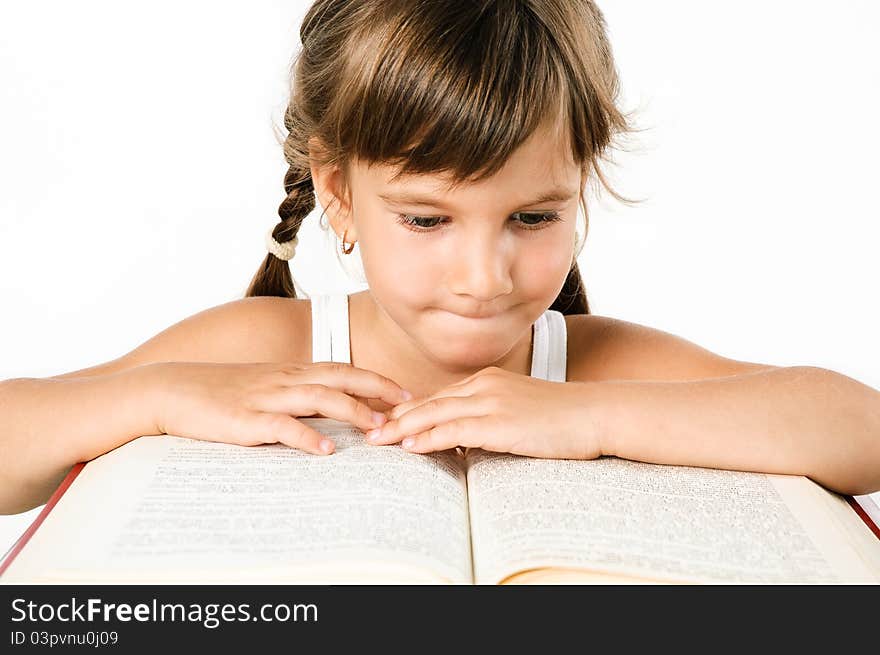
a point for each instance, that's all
(169, 509)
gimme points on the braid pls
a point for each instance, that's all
(274, 278)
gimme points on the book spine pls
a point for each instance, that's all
(53, 499)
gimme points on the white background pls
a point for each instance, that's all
(140, 171)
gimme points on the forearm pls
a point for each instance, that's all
(47, 425)
(796, 420)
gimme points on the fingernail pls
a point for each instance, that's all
(372, 435)
(407, 395)
(409, 442)
(378, 418)
(326, 445)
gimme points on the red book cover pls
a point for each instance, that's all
(864, 507)
(24, 538)
(867, 510)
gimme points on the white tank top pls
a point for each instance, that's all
(331, 342)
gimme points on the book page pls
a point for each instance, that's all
(660, 523)
(183, 510)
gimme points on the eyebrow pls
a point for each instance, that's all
(416, 199)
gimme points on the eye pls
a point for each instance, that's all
(527, 221)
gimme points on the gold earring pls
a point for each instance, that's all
(344, 250)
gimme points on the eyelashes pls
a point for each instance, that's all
(544, 219)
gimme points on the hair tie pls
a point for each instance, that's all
(282, 251)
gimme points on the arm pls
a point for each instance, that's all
(799, 420)
(49, 424)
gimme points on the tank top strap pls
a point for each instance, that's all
(549, 347)
(330, 336)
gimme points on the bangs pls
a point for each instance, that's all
(455, 93)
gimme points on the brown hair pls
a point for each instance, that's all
(391, 80)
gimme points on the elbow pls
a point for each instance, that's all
(850, 484)
(852, 464)
(11, 505)
(22, 495)
(862, 488)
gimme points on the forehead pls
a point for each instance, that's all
(545, 158)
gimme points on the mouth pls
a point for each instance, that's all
(477, 317)
(480, 316)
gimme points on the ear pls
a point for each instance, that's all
(331, 191)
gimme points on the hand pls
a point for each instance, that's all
(252, 404)
(501, 411)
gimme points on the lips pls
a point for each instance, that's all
(480, 315)
(484, 315)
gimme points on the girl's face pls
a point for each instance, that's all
(466, 273)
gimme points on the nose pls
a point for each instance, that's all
(481, 269)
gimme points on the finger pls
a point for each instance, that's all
(458, 432)
(282, 428)
(377, 404)
(457, 390)
(304, 400)
(426, 416)
(359, 381)
(332, 403)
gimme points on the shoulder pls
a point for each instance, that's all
(257, 329)
(274, 328)
(605, 348)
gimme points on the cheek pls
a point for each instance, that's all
(543, 266)
(396, 265)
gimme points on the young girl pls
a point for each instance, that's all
(453, 142)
